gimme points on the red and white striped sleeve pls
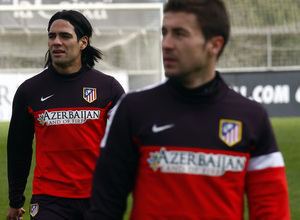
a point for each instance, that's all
(266, 187)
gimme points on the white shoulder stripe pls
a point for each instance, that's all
(111, 117)
(266, 161)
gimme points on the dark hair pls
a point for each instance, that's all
(212, 16)
(82, 27)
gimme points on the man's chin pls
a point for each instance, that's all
(59, 62)
(172, 74)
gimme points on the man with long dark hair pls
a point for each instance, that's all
(66, 106)
(193, 147)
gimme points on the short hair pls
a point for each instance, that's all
(82, 28)
(212, 16)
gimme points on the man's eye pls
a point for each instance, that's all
(180, 34)
(66, 36)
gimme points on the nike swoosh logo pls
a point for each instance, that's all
(157, 129)
(48, 97)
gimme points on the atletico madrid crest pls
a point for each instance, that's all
(34, 209)
(230, 131)
(89, 94)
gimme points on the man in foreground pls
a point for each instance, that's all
(191, 147)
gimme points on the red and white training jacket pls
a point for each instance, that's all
(68, 115)
(192, 155)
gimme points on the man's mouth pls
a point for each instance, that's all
(57, 52)
(169, 60)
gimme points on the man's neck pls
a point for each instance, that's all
(199, 78)
(67, 69)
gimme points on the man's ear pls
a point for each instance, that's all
(83, 42)
(216, 44)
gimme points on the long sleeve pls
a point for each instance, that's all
(19, 149)
(115, 169)
(266, 183)
(267, 193)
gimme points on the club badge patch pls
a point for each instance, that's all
(89, 94)
(34, 209)
(230, 131)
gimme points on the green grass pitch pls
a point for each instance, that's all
(287, 131)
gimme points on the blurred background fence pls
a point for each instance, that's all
(265, 35)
